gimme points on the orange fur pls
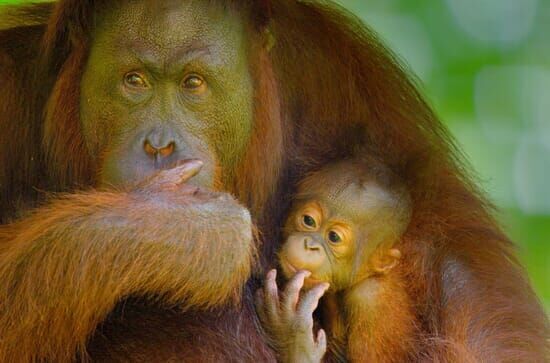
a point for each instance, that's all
(66, 243)
(340, 93)
(66, 265)
(256, 184)
(382, 321)
(369, 105)
(68, 159)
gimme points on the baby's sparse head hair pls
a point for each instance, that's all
(350, 181)
(368, 195)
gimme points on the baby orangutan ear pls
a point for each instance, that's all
(386, 261)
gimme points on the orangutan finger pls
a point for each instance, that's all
(185, 170)
(272, 297)
(292, 291)
(174, 177)
(321, 343)
(310, 300)
(260, 306)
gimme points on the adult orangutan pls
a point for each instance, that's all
(105, 252)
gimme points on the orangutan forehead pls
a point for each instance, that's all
(356, 203)
(348, 194)
(164, 33)
(149, 17)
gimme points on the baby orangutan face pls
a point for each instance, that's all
(334, 232)
(323, 247)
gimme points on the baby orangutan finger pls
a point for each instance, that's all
(260, 306)
(272, 297)
(292, 291)
(321, 343)
(310, 300)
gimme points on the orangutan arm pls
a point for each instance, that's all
(65, 267)
(490, 312)
(382, 325)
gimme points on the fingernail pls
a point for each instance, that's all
(193, 166)
(306, 273)
(193, 162)
(272, 274)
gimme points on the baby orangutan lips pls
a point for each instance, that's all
(309, 281)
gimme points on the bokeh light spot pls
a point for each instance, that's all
(501, 23)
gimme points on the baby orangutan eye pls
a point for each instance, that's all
(334, 237)
(309, 221)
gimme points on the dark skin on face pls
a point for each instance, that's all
(159, 89)
(339, 234)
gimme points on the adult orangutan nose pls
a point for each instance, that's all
(159, 151)
(160, 143)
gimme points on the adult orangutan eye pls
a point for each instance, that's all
(136, 80)
(309, 221)
(334, 237)
(193, 83)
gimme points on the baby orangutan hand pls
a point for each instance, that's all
(288, 321)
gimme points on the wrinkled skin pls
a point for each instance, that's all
(175, 81)
(164, 82)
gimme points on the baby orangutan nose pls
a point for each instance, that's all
(311, 245)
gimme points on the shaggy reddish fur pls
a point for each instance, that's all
(327, 90)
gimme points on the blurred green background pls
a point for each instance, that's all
(485, 67)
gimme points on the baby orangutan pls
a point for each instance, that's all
(340, 239)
